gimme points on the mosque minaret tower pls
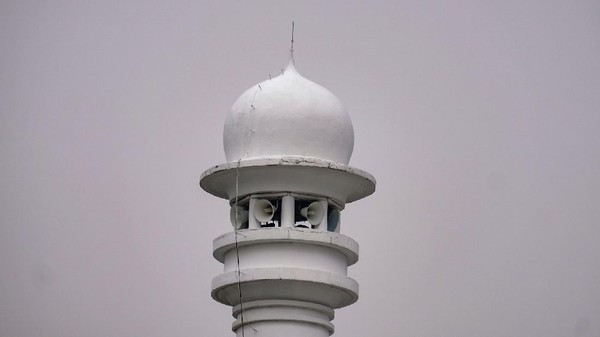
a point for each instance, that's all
(288, 142)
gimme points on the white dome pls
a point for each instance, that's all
(288, 116)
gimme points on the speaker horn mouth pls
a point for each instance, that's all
(238, 216)
(264, 210)
(333, 220)
(314, 213)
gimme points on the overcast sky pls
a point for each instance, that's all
(479, 119)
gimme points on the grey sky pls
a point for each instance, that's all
(479, 120)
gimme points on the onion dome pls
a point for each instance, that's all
(288, 116)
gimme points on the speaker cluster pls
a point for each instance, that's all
(307, 213)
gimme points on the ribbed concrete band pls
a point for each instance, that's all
(283, 311)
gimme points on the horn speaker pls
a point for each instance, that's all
(264, 210)
(238, 216)
(313, 213)
(333, 219)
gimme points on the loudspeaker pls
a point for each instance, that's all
(264, 210)
(333, 219)
(238, 217)
(313, 213)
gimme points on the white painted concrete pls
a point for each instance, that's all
(288, 141)
(318, 177)
(283, 255)
(299, 284)
(287, 211)
(283, 318)
(288, 115)
(333, 241)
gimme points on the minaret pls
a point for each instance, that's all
(288, 142)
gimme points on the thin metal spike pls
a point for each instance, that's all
(292, 47)
(292, 44)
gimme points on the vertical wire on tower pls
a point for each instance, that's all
(237, 252)
(237, 181)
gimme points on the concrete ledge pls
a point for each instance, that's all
(329, 289)
(336, 241)
(295, 174)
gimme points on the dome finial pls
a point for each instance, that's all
(292, 45)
